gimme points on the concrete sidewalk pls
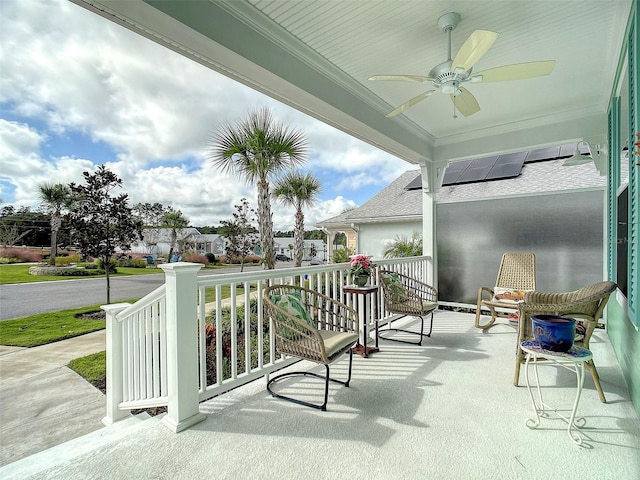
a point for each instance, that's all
(44, 403)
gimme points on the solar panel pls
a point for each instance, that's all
(477, 170)
(506, 169)
(415, 184)
(567, 150)
(547, 153)
(453, 171)
(508, 165)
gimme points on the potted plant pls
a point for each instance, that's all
(361, 269)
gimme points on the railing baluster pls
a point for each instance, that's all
(234, 333)
(202, 339)
(142, 372)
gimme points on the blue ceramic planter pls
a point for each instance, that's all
(554, 332)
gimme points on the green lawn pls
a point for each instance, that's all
(19, 273)
(93, 368)
(50, 327)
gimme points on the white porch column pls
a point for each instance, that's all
(114, 364)
(331, 235)
(182, 345)
(432, 175)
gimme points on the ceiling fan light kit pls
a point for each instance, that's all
(451, 74)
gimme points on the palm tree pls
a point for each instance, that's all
(54, 197)
(405, 247)
(257, 149)
(176, 222)
(297, 190)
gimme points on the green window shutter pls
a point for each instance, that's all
(613, 182)
(634, 173)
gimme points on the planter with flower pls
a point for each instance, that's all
(361, 269)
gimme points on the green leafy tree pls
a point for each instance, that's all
(297, 190)
(150, 214)
(101, 222)
(239, 232)
(340, 239)
(54, 197)
(315, 235)
(257, 149)
(403, 246)
(176, 222)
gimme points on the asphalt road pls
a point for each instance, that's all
(22, 299)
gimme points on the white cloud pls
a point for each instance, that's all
(156, 110)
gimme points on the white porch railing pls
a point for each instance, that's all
(199, 336)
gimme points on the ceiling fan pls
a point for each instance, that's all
(449, 76)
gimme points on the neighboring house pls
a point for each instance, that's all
(209, 243)
(158, 240)
(284, 246)
(371, 228)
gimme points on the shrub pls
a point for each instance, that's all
(73, 258)
(80, 273)
(253, 259)
(341, 255)
(112, 266)
(133, 263)
(236, 261)
(240, 341)
(89, 265)
(211, 257)
(195, 258)
(19, 255)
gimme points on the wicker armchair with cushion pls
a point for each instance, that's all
(310, 326)
(406, 296)
(586, 305)
(516, 276)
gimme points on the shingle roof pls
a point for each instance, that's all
(395, 203)
(392, 202)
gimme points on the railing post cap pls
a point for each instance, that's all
(181, 267)
(114, 307)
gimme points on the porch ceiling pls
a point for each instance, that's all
(317, 57)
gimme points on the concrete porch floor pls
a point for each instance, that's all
(445, 410)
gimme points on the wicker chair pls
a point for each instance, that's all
(516, 275)
(406, 296)
(310, 326)
(586, 305)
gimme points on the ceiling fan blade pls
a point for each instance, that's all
(517, 71)
(465, 103)
(478, 43)
(401, 78)
(410, 103)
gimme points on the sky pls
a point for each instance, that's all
(77, 91)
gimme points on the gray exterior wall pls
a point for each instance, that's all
(564, 230)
